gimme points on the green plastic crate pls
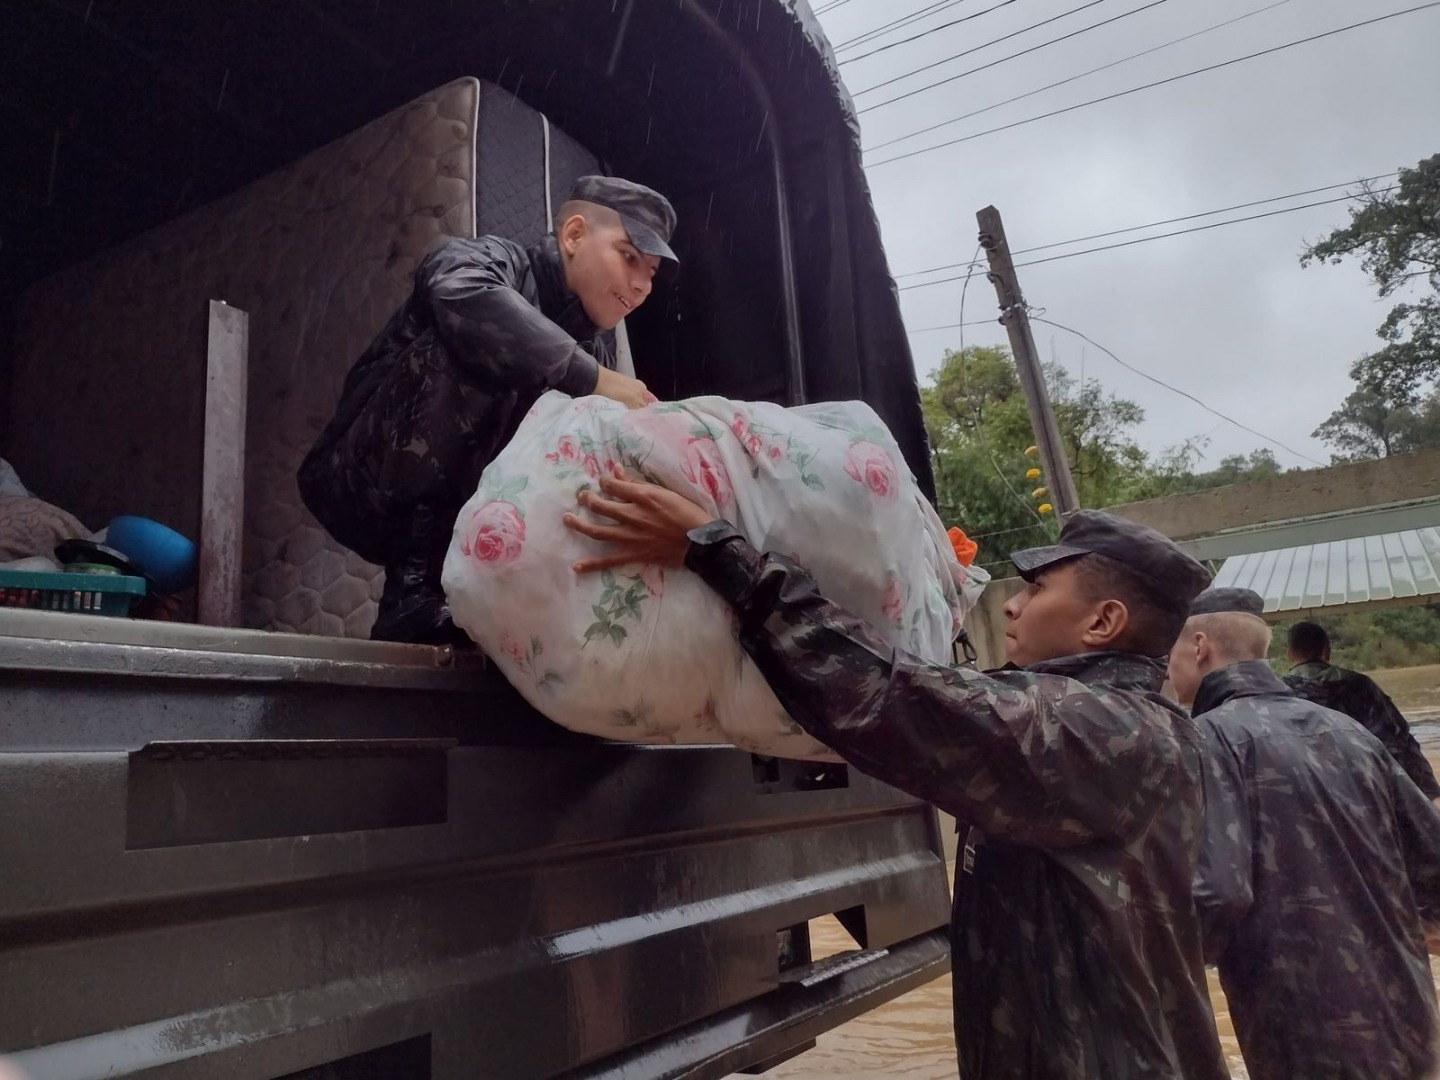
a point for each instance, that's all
(86, 594)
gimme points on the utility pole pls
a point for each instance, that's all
(1032, 379)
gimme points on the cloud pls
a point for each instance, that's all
(1227, 314)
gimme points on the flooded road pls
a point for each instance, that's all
(912, 1037)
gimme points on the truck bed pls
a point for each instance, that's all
(242, 854)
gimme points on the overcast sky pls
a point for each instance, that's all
(1227, 315)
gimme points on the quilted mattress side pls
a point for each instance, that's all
(109, 374)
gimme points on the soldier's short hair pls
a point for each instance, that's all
(595, 214)
(1308, 639)
(1234, 635)
(1154, 624)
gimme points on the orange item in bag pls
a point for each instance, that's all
(965, 548)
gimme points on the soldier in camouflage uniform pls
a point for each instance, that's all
(1320, 854)
(1314, 678)
(1075, 948)
(488, 328)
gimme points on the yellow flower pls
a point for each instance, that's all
(1039, 493)
(1045, 508)
(1031, 451)
(1032, 474)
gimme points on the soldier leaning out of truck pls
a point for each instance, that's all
(1076, 949)
(489, 326)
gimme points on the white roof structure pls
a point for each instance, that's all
(1392, 568)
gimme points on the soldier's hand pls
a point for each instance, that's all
(627, 391)
(647, 524)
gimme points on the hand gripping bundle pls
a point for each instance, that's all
(645, 654)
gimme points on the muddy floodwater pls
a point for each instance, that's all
(911, 1038)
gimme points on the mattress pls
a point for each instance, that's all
(110, 363)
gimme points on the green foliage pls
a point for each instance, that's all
(979, 427)
(1373, 423)
(1396, 234)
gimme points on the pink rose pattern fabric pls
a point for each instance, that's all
(651, 655)
(704, 468)
(873, 466)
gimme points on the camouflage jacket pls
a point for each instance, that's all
(1358, 697)
(1318, 852)
(489, 326)
(1074, 943)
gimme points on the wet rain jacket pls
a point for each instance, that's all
(1319, 853)
(489, 326)
(1358, 697)
(1075, 947)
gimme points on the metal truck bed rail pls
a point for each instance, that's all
(231, 863)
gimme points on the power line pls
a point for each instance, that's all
(1004, 532)
(1159, 82)
(1148, 239)
(895, 24)
(955, 325)
(1166, 221)
(829, 7)
(924, 34)
(1176, 390)
(992, 63)
(974, 262)
(1076, 78)
(1197, 228)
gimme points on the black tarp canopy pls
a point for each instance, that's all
(119, 116)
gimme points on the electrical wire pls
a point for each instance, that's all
(994, 63)
(1176, 390)
(955, 326)
(1159, 82)
(896, 24)
(1166, 221)
(1076, 78)
(1159, 236)
(926, 33)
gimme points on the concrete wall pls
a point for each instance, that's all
(1338, 489)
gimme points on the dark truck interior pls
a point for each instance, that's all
(269, 847)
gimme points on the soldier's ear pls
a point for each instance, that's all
(572, 230)
(1108, 622)
(1204, 648)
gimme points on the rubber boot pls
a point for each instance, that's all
(412, 606)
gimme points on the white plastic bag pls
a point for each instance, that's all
(645, 654)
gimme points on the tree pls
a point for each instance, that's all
(1372, 424)
(1396, 233)
(979, 427)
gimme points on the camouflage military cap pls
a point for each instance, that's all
(1219, 601)
(648, 217)
(1172, 576)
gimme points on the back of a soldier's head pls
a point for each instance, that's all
(1214, 640)
(1307, 641)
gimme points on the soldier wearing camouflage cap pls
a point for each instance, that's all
(1320, 855)
(489, 326)
(1075, 949)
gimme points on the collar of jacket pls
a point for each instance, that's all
(558, 303)
(1314, 669)
(1123, 671)
(1249, 678)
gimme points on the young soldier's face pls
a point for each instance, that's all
(606, 271)
(1049, 619)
